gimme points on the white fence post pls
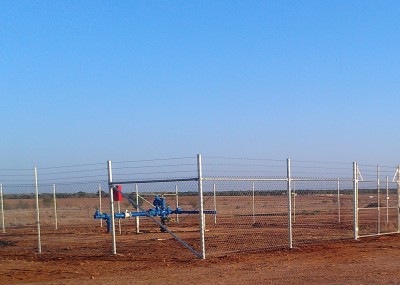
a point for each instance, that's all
(2, 209)
(253, 203)
(177, 202)
(201, 207)
(378, 186)
(289, 194)
(101, 211)
(398, 198)
(338, 198)
(55, 206)
(387, 199)
(137, 220)
(112, 220)
(355, 199)
(37, 210)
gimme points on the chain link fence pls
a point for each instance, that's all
(249, 205)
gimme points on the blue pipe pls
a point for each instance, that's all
(160, 209)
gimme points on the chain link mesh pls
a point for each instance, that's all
(249, 198)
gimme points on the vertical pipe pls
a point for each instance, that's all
(177, 202)
(112, 218)
(101, 211)
(55, 206)
(378, 194)
(201, 207)
(387, 199)
(215, 204)
(289, 194)
(2, 209)
(37, 211)
(254, 217)
(137, 220)
(338, 198)
(355, 199)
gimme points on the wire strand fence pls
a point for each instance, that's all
(247, 205)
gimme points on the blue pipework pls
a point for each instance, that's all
(160, 209)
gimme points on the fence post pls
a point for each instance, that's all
(37, 210)
(101, 211)
(137, 220)
(201, 207)
(55, 206)
(289, 195)
(387, 199)
(2, 209)
(112, 220)
(355, 199)
(254, 206)
(398, 198)
(177, 202)
(378, 194)
(338, 198)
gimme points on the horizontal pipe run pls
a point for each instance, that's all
(273, 179)
(153, 181)
(206, 212)
(321, 179)
(242, 179)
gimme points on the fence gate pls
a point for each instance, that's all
(378, 200)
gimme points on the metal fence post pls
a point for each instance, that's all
(289, 195)
(2, 209)
(338, 198)
(215, 204)
(55, 206)
(398, 198)
(378, 194)
(201, 207)
(355, 199)
(37, 210)
(177, 202)
(137, 220)
(101, 211)
(254, 206)
(387, 199)
(112, 219)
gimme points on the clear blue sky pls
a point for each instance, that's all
(88, 81)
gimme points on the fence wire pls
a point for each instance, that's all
(248, 202)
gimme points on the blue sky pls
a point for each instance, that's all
(89, 81)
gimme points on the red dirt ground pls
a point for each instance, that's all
(78, 253)
(367, 261)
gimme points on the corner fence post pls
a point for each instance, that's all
(201, 207)
(355, 199)
(112, 220)
(289, 196)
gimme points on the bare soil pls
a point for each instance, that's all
(79, 253)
